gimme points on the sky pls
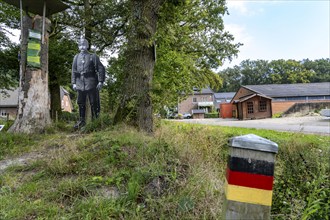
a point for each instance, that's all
(276, 29)
(279, 29)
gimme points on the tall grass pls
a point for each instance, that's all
(118, 173)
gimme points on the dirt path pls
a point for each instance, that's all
(21, 160)
(30, 157)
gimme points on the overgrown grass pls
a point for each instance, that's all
(115, 172)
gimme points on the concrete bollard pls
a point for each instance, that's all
(249, 178)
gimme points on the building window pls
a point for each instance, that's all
(249, 107)
(3, 112)
(194, 99)
(262, 106)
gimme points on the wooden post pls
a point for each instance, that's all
(249, 179)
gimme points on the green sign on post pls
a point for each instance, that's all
(34, 47)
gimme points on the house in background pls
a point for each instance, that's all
(204, 101)
(66, 103)
(221, 98)
(252, 106)
(199, 100)
(262, 101)
(9, 103)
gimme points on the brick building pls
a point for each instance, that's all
(262, 101)
(9, 103)
(200, 99)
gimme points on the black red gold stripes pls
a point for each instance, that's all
(249, 165)
(249, 180)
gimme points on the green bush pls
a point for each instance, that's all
(301, 190)
(102, 122)
(277, 115)
(69, 116)
(212, 115)
(7, 125)
(177, 173)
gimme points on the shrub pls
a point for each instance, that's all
(69, 116)
(277, 115)
(102, 122)
(7, 124)
(212, 115)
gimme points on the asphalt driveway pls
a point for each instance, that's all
(307, 124)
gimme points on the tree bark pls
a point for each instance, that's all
(33, 103)
(88, 20)
(136, 106)
(55, 104)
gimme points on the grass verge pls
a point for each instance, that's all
(119, 173)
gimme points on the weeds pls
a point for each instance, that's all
(107, 172)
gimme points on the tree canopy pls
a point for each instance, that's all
(257, 72)
(190, 43)
(187, 38)
(9, 67)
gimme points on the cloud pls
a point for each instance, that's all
(238, 5)
(240, 33)
(14, 35)
(249, 7)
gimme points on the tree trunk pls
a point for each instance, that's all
(33, 103)
(136, 106)
(88, 20)
(55, 95)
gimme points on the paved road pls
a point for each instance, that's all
(306, 124)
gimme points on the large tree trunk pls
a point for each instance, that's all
(136, 106)
(88, 21)
(33, 105)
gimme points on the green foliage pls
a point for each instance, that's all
(289, 71)
(212, 115)
(9, 18)
(7, 124)
(102, 122)
(186, 51)
(257, 72)
(321, 67)
(101, 23)
(254, 72)
(9, 67)
(61, 53)
(300, 187)
(277, 115)
(69, 116)
(13, 144)
(176, 174)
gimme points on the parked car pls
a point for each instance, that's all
(187, 115)
(172, 115)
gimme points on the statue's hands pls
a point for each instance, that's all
(74, 87)
(99, 86)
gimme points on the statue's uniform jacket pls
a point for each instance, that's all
(87, 71)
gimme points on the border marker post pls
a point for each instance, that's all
(249, 177)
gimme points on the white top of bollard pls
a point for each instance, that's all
(253, 142)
